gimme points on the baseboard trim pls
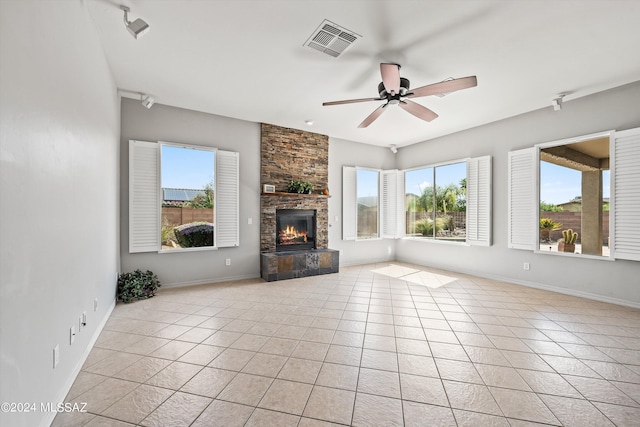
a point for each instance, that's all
(46, 422)
(565, 291)
(542, 286)
(209, 281)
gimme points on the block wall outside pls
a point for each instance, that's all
(573, 221)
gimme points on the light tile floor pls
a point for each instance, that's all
(374, 345)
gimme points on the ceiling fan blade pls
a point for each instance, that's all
(444, 87)
(376, 113)
(351, 101)
(418, 110)
(390, 77)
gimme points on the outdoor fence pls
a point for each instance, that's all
(459, 219)
(177, 216)
(573, 220)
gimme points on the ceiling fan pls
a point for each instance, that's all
(394, 89)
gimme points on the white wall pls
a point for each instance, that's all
(618, 109)
(164, 123)
(347, 153)
(59, 127)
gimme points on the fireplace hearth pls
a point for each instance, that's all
(295, 229)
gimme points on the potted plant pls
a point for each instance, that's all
(137, 285)
(568, 241)
(301, 187)
(547, 225)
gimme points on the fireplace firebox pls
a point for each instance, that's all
(295, 229)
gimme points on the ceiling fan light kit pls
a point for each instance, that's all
(394, 89)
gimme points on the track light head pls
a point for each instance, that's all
(393, 149)
(556, 103)
(148, 101)
(137, 28)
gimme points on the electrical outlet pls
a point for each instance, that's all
(72, 335)
(95, 304)
(56, 355)
(527, 267)
(227, 262)
(249, 221)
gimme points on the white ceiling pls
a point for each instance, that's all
(245, 59)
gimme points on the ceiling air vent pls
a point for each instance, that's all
(331, 39)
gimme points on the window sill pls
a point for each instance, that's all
(438, 241)
(183, 250)
(574, 255)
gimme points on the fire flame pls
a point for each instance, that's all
(290, 233)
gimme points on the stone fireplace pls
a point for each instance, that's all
(286, 155)
(295, 229)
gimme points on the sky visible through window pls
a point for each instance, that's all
(417, 180)
(186, 168)
(560, 184)
(367, 183)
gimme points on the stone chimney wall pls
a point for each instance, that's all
(286, 155)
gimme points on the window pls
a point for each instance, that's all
(436, 203)
(588, 184)
(450, 202)
(368, 186)
(182, 197)
(187, 177)
(360, 203)
(574, 197)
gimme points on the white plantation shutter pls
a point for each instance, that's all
(227, 230)
(392, 204)
(400, 207)
(521, 204)
(479, 201)
(626, 195)
(144, 197)
(349, 203)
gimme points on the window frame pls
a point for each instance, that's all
(464, 160)
(214, 150)
(392, 202)
(610, 134)
(379, 204)
(350, 203)
(145, 195)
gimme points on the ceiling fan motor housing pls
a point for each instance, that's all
(404, 89)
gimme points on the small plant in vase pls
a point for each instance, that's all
(547, 225)
(568, 241)
(301, 187)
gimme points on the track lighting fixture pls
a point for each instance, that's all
(556, 103)
(148, 101)
(137, 28)
(393, 149)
